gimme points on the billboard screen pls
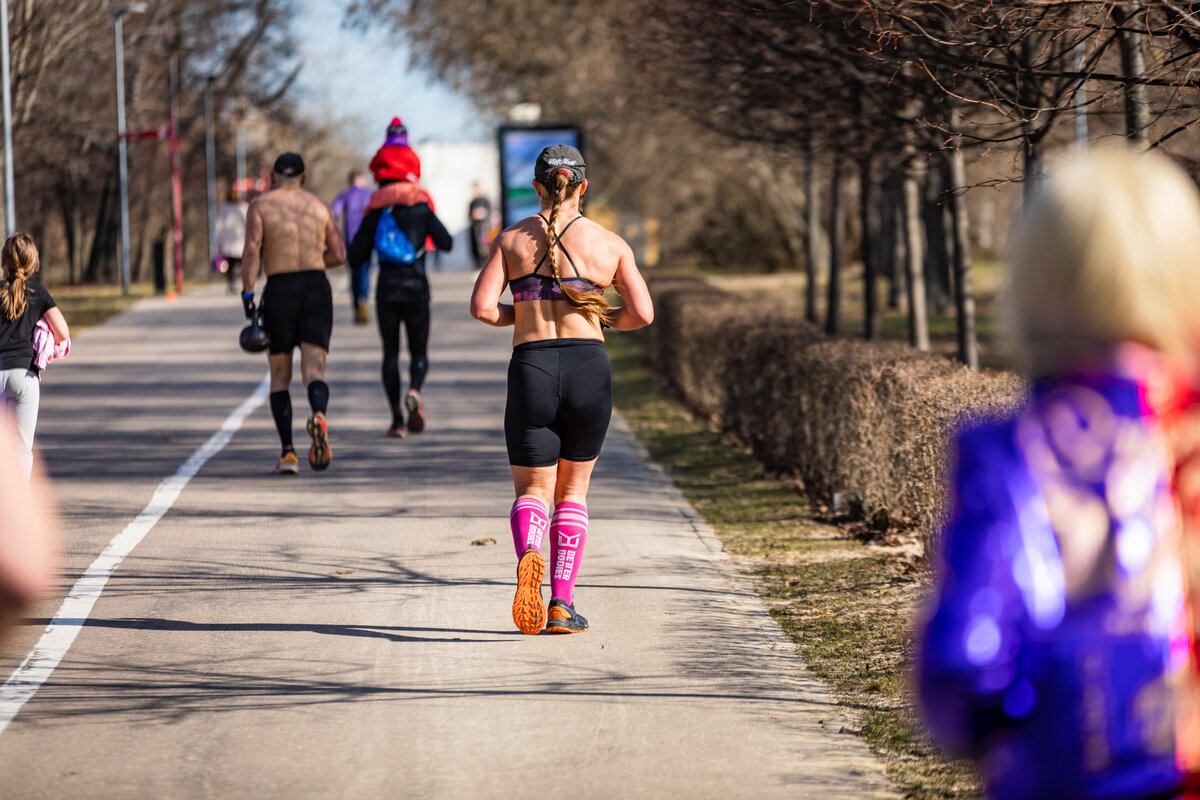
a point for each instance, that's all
(519, 148)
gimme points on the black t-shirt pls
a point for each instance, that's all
(16, 336)
(401, 282)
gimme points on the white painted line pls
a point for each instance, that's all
(62, 630)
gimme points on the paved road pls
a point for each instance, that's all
(337, 635)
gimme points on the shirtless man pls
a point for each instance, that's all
(293, 233)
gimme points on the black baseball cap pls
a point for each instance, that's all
(289, 165)
(556, 157)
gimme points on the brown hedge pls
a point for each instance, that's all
(864, 422)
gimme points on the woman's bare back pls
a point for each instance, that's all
(595, 252)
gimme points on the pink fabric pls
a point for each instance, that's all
(568, 535)
(529, 519)
(402, 193)
(45, 349)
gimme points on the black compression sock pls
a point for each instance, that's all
(318, 396)
(281, 410)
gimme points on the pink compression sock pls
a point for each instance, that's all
(528, 519)
(568, 535)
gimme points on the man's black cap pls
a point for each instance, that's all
(289, 165)
(556, 157)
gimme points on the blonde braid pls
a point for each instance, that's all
(19, 258)
(590, 304)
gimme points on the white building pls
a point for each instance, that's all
(449, 171)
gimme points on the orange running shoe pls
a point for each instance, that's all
(319, 455)
(288, 464)
(416, 413)
(564, 619)
(528, 610)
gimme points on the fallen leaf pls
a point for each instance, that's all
(484, 541)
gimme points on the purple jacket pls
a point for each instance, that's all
(351, 205)
(1059, 625)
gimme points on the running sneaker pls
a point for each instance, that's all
(397, 430)
(288, 464)
(528, 611)
(319, 455)
(564, 619)
(361, 315)
(416, 414)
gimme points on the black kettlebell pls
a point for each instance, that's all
(254, 338)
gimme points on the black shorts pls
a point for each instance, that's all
(559, 401)
(297, 308)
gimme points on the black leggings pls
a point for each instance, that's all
(415, 317)
(559, 401)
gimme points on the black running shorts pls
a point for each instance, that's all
(559, 401)
(297, 308)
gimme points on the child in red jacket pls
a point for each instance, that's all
(395, 160)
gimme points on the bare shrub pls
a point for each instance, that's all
(866, 421)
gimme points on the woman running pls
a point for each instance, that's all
(22, 304)
(557, 265)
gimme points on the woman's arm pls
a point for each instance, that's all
(58, 324)
(638, 311)
(442, 239)
(485, 299)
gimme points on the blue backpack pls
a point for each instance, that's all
(390, 242)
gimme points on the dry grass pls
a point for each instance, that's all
(784, 292)
(87, 305)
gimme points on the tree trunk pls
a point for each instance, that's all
(1133, 64)
(890, 241)
(868, 205)
(1031, 140)
(833, 306)
(813, 224)
(918, 322)
(964, 299)
(937, 253)
(102, 259)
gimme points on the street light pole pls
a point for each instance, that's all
(210, 160)
(122, 154)
(10, 212)
(241, 155)
(122, 149)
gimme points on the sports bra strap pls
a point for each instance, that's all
(558, 241)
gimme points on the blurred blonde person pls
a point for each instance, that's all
(1058, 650)
(22, 304)
(29, 536)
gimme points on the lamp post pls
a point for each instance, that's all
(10, 215)
(210, 161)
(122, 154)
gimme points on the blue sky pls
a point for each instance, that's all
(365, 80)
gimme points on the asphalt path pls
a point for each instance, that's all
(343, 635)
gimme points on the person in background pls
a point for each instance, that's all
(23, 304)
(1059, 650)
(291, 236)
(401, 213)
(395, 160)
(231, 234)
(29, 530)
(480, 213)
(349, 207)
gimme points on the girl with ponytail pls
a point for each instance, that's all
(22, 305)
(557, 265)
